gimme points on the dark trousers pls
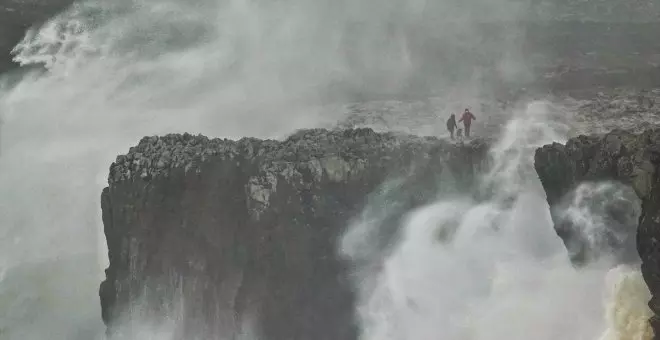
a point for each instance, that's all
(467, 130)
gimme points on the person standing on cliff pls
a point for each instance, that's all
(451, 125)
(467, 119)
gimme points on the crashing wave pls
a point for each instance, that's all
(626, 307)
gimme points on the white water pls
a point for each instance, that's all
(231, 68)
(500, 271)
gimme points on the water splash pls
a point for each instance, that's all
(501, 271)
(119, 70)
(602, 218)
(627, 308)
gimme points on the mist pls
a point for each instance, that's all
(119, 70)
(494, 268)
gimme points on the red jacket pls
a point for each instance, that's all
(468, 117)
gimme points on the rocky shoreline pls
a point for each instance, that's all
(633, 110)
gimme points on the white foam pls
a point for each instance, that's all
(627, 308)
(503, 273)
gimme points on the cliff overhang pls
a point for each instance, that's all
(621, 156)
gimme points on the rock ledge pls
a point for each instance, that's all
(249, 228)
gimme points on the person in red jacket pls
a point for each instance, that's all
(467, 119)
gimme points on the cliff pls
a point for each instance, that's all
(625, 157)
(248, 229)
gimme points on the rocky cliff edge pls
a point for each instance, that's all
(620, 156)
(247, 230)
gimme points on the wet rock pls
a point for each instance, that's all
(630, 158)
(249, 228)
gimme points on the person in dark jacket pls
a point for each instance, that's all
(451, 125)
(467, 119)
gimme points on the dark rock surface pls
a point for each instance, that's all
(622, 156)
(249, 227)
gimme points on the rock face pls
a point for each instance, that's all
(632, 159)
(233, 230)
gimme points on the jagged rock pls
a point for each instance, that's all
(250, 226)
(619, 155)
(629, 158)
